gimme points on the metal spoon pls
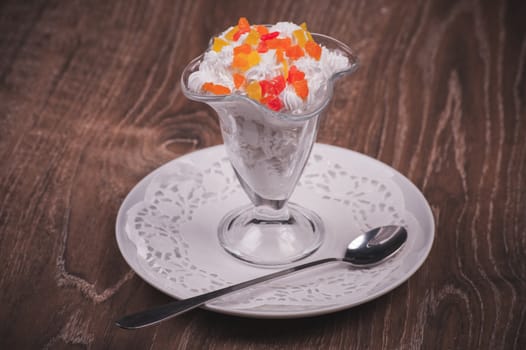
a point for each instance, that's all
(366, 250)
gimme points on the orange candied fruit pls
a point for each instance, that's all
(302, 88)
(279, 43)
(294, 52)
(279, 55)
(240, 61)
(262, 30)
(295, 74)
(239, 80)
(313, 49)
(242, 27)
(245, 48)
(216, 89)
(243, 24)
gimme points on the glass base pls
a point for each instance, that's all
(271, 242)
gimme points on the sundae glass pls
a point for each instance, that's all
(268, 149)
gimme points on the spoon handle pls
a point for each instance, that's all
(160, 313)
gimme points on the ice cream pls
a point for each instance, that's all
(280, 66)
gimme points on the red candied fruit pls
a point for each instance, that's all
(262, 47)
(273, 102)
(273, 86)
(269, 36)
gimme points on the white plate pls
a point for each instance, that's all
(167, 232)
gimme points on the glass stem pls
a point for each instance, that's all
(271, 210)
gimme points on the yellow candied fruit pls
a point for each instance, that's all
(231, 33)
(253, 58)
(254, 91)
(285, 69)
(252, 38)
(245, 61)
(307, 33)
(218, 44)
(299, 34)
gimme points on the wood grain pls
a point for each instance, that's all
(90, 103)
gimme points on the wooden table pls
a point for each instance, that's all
(90, 103)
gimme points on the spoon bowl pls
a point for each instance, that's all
(374, 246)
(368, 249)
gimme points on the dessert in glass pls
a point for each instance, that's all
(269, 84)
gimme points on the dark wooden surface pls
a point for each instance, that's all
(90, 103)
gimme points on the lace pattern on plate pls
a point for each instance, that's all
(159, 226)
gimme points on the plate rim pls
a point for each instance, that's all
(261, 314)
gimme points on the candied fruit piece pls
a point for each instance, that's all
(281, 43)
(273, 102)
(252, 38)
(216, 89)
(279, 55)
(307, 33)
(294, 52)
(285, 69)
(245, 48)
(299, 34)
(253, 59)
(240, 61)
(239, 80)
(254, 90)
(218, 44)
(266, 87)
(302, 88)
(262, 30)
(242, 27)
(273, 86)
(231, 33)
(279, 84)
(295, 74)
(313, 49)
(269, 36)
(243, 24)
(237, 35)
(262, 47)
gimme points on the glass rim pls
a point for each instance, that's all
(316, 110)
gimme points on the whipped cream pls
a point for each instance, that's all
(216, 68)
